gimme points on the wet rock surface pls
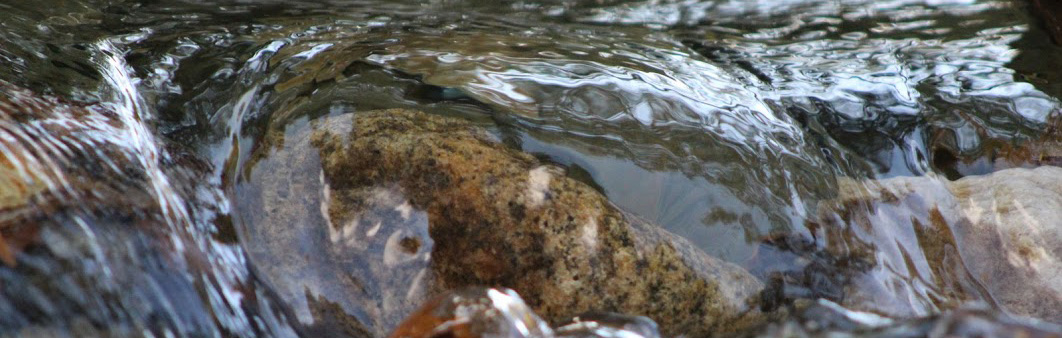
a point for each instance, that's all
(384, 208)
(993, 238)
(83, 234)
(1045, 150)
(474, 312)
(827, 319)
(498, 312)
(1015, 236)
(920, 274)
(46, 141)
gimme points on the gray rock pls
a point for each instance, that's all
(1013, 240)
(995, 238)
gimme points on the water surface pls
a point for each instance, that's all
(725, 122)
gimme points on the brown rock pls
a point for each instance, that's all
(499, 217)
(406, 204)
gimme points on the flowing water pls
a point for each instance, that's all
(133, 131)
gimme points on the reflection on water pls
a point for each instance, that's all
(134, 136)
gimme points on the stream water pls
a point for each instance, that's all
(131, 131)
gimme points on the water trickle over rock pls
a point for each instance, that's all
(992, 238)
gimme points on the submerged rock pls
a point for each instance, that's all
(995, 155)
(682, 158)
(409, 204)
(827, 319)
(474, 312)
(59, 158)
(490, 312)
(1014, 237)
(90, 238)
(994, 238)
(610, 325)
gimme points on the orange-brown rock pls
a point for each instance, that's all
(405, 205)
(500, 217)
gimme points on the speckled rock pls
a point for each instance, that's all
(994, 238)
(406, 205)
(500, 217)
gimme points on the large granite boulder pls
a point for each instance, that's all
(404, 205)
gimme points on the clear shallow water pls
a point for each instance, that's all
(725, 122)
